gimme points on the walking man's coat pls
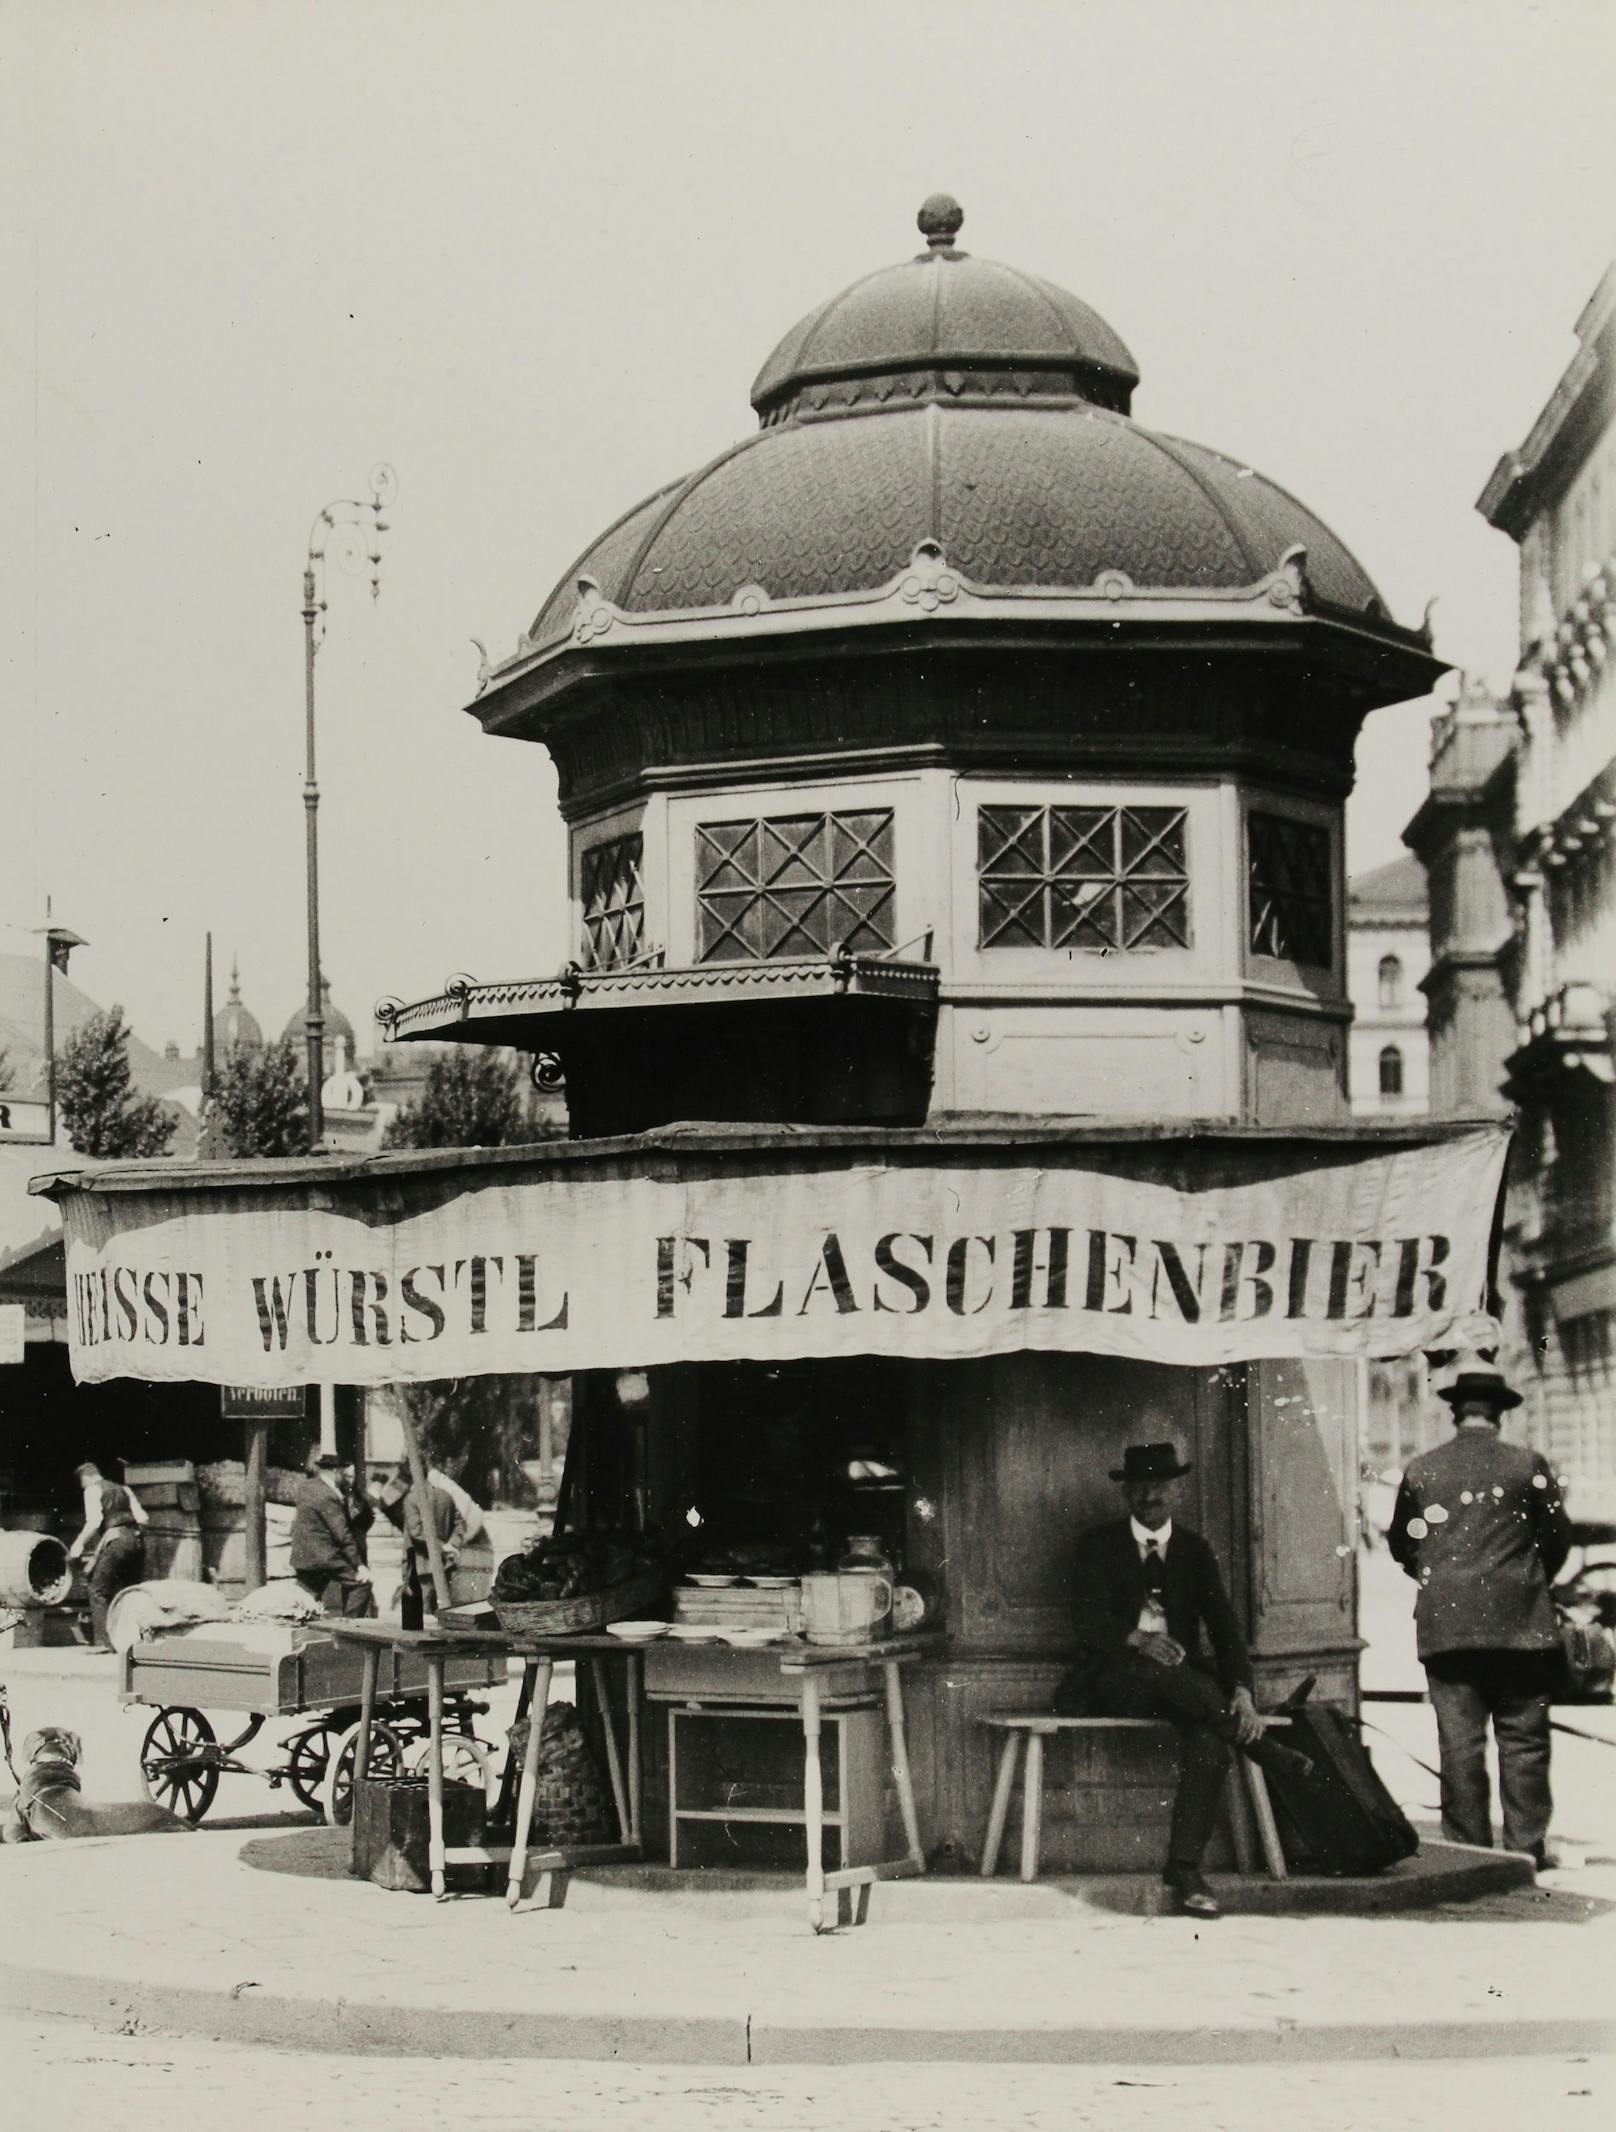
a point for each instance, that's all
(1480, 1526)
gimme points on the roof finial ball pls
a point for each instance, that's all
(940, 220)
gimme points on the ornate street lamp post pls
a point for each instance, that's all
(358, 529)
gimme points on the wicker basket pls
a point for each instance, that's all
(571, 1801)
(590, 1610)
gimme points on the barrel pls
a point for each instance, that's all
(34, 1570)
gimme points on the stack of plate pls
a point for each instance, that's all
(741, 1606)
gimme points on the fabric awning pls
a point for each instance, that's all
(1188, 1243)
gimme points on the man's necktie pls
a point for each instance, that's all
(1155, 1572)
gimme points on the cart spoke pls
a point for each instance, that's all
(179, 1762)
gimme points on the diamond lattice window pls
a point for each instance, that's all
(1083, 877)
(794, 886)
(613, 897)
(1292, 907)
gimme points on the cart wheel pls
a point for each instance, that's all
(386, 1760)
(175, 1769)
(308, 1758)
(465, 1760)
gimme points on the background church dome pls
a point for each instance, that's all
(236, 1027)
(337, 1031)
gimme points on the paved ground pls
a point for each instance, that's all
(73, 2072)
(202, 1938)
(707, 1982)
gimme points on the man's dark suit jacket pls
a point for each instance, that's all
(322, 1535)
(1109, 1592)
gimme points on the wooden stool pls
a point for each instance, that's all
(1033, 1730)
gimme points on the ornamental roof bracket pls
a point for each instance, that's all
(1288, 585)
(596, 613)
(929, 583)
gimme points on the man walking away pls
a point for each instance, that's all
(327, 1555)
(1146, 1587)
(112, 1514)
(1480, 1526)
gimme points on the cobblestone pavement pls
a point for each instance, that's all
(73, 2072)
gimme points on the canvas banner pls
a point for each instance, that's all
(557, 1267)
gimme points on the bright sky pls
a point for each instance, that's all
(533, 254)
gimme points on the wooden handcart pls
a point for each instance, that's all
(320, 1681)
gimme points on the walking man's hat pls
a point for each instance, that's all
(1479, 1379)
(1150, 1462)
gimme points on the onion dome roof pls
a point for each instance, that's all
(236, 1027)
(967, 405)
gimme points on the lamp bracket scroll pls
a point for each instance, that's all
(349, 532)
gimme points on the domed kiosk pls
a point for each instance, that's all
(954, 1041)
(954, 743)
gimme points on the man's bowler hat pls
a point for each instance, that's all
(1150, 1462)
(1480, 1380)
(329, 1462)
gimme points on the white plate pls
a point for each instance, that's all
(637, 1631)
(771, 1584)
(695, 1631)
(749, 1639)
(711, 1583)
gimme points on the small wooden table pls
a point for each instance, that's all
(538, 1656)
(711, 1673)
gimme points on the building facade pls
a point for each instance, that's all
(1388, 1076)
(1388, 957)
(1519, 838)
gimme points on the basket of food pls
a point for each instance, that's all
(570, 1582)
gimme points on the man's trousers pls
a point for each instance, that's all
(1510, 1691)
(1190, 1700)
(118, 1562)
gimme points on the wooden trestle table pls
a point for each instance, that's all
(800, 1664)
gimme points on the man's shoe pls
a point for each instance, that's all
(1544, 1859)
(1190, 1893)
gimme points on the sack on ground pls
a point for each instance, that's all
(1341, 1819)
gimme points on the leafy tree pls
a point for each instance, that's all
(480, 1429)
(260, 1104)
(95, 1093)
(472, 1098)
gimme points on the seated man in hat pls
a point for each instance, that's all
(1146, 1587)
(1480, 1525)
